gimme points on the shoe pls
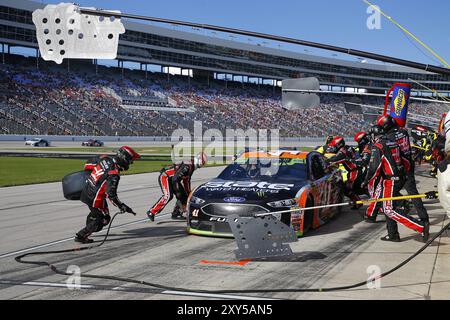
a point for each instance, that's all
(370, 220)
(151, 216)
(84, 240)
(395, 238)
(426, 231)
(178, 216)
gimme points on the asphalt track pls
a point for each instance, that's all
(345, 251)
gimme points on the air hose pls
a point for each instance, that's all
(19, 259)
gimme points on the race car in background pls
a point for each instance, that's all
(261, 182)
(37, 142)
(92, 143)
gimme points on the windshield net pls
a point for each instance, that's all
(268, 169)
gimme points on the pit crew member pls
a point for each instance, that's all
(176, 180)
(102, 184)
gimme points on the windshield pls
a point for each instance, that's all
(267, 169)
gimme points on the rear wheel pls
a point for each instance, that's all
(308, 216)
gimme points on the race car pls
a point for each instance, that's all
(37, 142)
(261, 182)
(92, 143)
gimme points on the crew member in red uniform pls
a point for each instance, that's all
(176, 180)
(101, 185)
(345, 155)
(393, 132)
(387, 163)
(373, 187)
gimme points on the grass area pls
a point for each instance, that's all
(142, 150)
(16, 171)
(153, 150)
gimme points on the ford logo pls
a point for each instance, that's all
(234, 199)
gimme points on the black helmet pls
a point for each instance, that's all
(375, 130)
(386, 123)
(125, 156)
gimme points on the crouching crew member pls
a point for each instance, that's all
(101, 185)
(386, 162)
(176, 180)
(345, 155)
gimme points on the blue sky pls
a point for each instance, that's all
(341, 23)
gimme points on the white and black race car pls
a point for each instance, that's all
(37, 142)
(260, 182)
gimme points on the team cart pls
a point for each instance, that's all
(263, 182)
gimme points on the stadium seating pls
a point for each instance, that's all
(53, 100)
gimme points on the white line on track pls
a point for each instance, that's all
(71, 238)
(168, 292)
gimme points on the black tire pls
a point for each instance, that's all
(308, 217)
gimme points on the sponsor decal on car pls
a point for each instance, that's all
(218, 219)
(234, 199)
(249, 184)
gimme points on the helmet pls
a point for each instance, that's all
(375, 130)
(361, 138)
(328, 139)
(125, 156)
(336, 144)
(386, 123)
(200, 160)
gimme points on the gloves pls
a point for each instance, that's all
(124, 208)
(431, 195)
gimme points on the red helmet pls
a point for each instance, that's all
(125, 156)
(336, 144)
(360, 136)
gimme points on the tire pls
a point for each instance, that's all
(308, 216)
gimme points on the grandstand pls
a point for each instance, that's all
(232, 85)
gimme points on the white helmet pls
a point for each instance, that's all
(200, 160)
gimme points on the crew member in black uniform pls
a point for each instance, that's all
(176, 180)
(387, 163)
(101, 185)
(393, 132)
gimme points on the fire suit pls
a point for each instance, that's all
(401, 137)
(373, 185)
(345, 156)
(386, 163)
(436, 153)
(101, 185)
(174, 180)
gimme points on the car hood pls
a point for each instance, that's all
(249, 191)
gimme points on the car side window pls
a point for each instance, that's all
(317, 167)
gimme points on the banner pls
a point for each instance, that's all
(399, 102)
